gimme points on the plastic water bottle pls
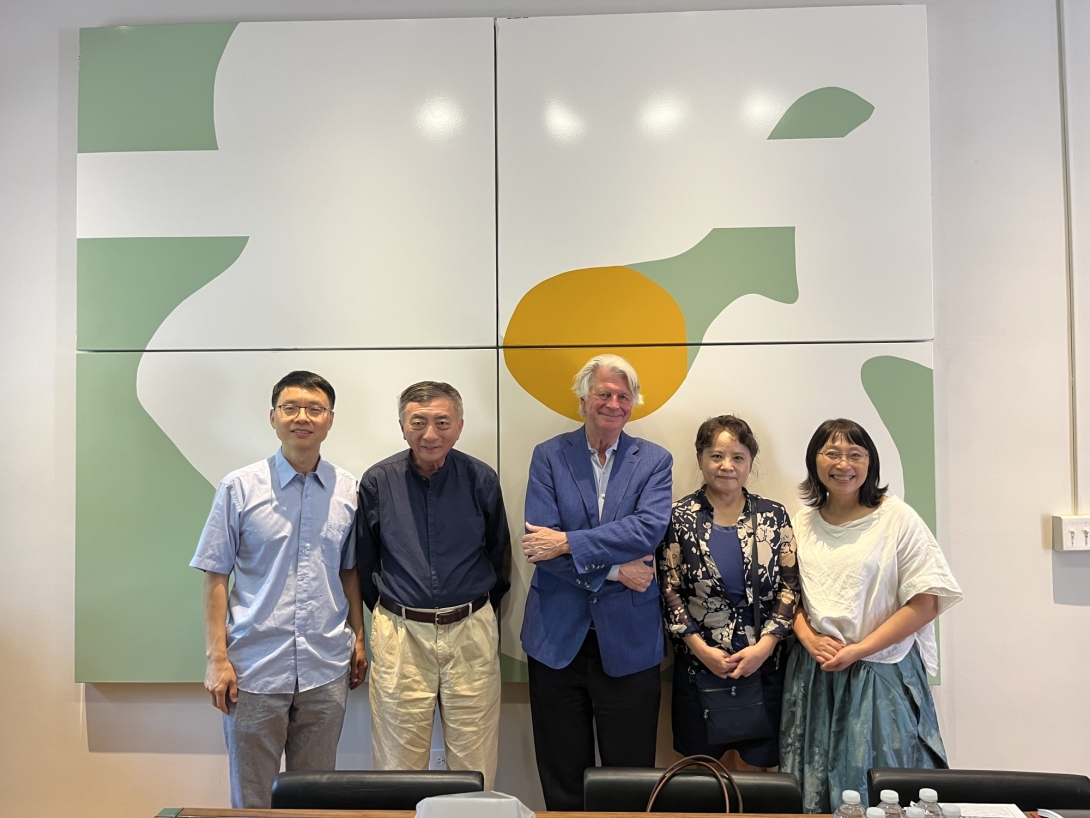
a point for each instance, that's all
(914, 812)
(876, 812)
(851, 806)
(929, 803)
(951, 811)
(890, 804)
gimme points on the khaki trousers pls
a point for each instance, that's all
(414, 665)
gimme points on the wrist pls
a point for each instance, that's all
(805, 636)
(767, 643)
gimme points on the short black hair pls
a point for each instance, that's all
(813, 491)
(737, 428)
(302, 379)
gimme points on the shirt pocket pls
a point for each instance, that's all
(331, 542)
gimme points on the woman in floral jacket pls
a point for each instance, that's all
(704, 569)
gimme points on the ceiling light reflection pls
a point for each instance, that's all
(662, 116)
(562, 123)
(761, 110)
(440, 118)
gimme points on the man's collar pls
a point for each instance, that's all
(286, 472)
(609, 451)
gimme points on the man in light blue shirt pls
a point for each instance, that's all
(286, 644)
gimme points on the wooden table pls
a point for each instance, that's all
(195, 812)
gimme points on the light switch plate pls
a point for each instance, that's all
(1071, 533)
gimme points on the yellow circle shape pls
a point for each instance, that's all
(566, 320)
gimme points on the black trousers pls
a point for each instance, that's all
(566, 706)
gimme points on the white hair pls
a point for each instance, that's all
(615, 364)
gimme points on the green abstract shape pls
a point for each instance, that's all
(140, 505)
(826, 113)
(723, 266)
(126, 287)
(903, 393)
(149, 88)
(513, 670)
(140, 508)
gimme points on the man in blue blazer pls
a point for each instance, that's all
(597, 506)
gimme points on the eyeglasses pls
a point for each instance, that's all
(290, 410)
(855, 458)
(623, 398)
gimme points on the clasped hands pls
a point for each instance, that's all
(540, 544)
(832, 654)
(735, 665)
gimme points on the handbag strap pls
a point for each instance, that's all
(754, 573)
(722, 775)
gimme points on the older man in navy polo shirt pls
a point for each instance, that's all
(431, 542)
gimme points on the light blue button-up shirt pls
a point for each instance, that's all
(601, 479)
(285, 536)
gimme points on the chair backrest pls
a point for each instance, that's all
(1029, 791)
(369, 789)
(626, 789)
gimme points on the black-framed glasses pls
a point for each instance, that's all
(290, 410)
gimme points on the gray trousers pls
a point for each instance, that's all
(303, 726)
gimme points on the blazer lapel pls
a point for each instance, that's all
(625, 460)
(578, 456)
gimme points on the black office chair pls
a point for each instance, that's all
(627, 789)
(369, 789)
(1028, 790)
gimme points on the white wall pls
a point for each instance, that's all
(1014, 660)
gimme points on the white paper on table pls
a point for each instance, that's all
(989, 810)
(473, 805)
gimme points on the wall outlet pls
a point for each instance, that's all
(1071, 533)
(438, 760)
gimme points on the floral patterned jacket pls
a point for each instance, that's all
(692, 588)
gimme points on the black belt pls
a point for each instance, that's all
(440, 616)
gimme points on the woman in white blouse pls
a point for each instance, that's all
(873, 580)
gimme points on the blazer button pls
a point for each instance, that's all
(588, 568)
(594, 599)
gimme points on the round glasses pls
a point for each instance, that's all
(855, 458)
(623, 398)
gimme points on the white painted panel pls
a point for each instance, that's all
(214, 406)
(359, 158)
(627, 138)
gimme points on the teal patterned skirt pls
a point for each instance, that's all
(837, 725)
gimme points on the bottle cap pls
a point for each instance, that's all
(851, 797)
(876, 812)
(928, 794)
(914, 812)
(951, 811)
(891, 796)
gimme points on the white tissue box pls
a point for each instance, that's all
(473, 805)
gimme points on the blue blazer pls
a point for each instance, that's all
(569, 592)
